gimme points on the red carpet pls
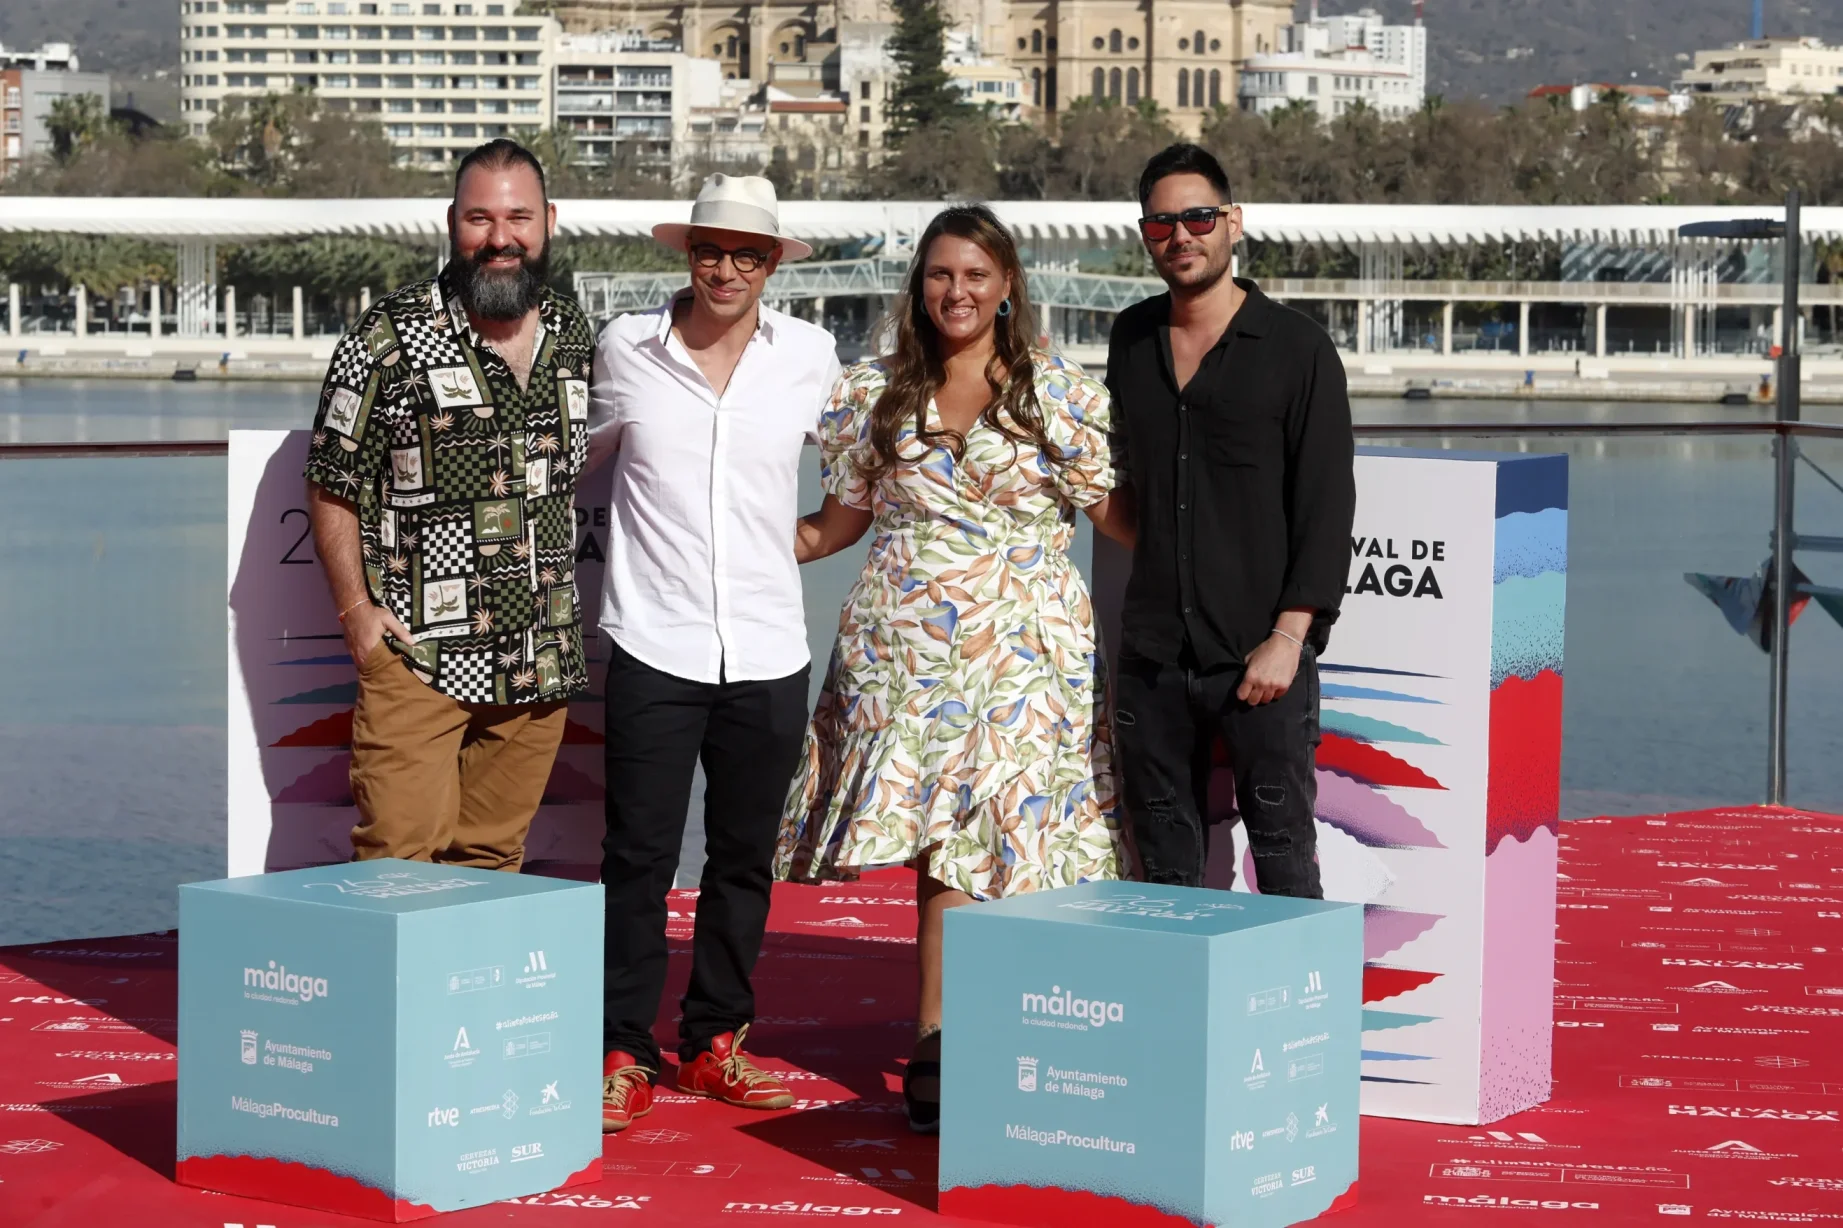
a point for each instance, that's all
(1698, 1067)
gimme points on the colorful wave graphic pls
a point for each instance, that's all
(1381, 982)
(1526, 625)
(575, 733)
(329, 784)
(1382, 1055)
(1361, 761)
(1372, 729)
(1337, 690)
(1383, 1021)
(333, 731)
(1387, 929)
(297, 1185)
(339, 693)
(1027, 1204)
(1524, 793)
(1368, 816)
(568, 785)
(1530, 544)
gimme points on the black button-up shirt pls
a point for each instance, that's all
(1243, 479)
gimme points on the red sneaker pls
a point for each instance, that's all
(724, 1072)
(627, 1091)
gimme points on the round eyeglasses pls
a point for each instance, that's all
(745, 259)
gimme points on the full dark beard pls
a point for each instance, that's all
(492, 295)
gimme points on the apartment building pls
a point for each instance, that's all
(1335, 64)
(629, 97)
(31, 82)
(439, 75)
(1765, 70)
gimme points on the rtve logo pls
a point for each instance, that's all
(444, 1117)
(1241, 1140)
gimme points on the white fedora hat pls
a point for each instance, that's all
(744, 203)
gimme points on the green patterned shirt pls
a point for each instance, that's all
(464, 484)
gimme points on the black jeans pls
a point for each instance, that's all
(1165, 718)
(748, 736)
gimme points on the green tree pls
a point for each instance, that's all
(1103, 146)
(923, 94)
(75, 122)
(949, 158)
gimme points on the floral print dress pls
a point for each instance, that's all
(962, 706)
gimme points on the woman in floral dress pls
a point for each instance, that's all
(961, 729)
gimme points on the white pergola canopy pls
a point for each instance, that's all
(187, 220)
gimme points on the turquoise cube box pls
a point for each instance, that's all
(389, 1038)
(1125, 1053)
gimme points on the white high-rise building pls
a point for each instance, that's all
(440, 75)
(1333, 64)
(626, 93)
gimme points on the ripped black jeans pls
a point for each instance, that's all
(1165, 719)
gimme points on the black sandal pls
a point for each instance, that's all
(924, 1115)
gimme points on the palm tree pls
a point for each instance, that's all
(75, 120)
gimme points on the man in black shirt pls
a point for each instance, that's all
(1236, 431)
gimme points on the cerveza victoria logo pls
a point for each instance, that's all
(276, 984)
(1060, 1008)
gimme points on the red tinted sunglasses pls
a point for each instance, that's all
(1158, 227)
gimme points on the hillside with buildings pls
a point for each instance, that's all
(1491, 49)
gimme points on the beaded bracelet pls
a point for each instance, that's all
(1283, 635)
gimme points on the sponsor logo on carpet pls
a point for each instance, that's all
(1736, 1149)
(1707, 1110)
(1720, 987)
(1832, 1184)
(28, 1146)
(804, 1208)
(90, 1083)
(1507, 1204)
(589, 1202)
(116, 1055)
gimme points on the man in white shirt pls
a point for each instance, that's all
(705, 404)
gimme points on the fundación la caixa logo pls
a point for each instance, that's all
(1083, 1012)
(277, 979)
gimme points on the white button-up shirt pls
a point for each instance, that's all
(701, 581)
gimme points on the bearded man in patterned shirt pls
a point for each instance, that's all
(441, 482)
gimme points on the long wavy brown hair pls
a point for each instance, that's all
(915, 369)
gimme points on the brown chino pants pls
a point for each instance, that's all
(440, 780)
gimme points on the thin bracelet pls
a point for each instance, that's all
(1283, 635)
(353, 606)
